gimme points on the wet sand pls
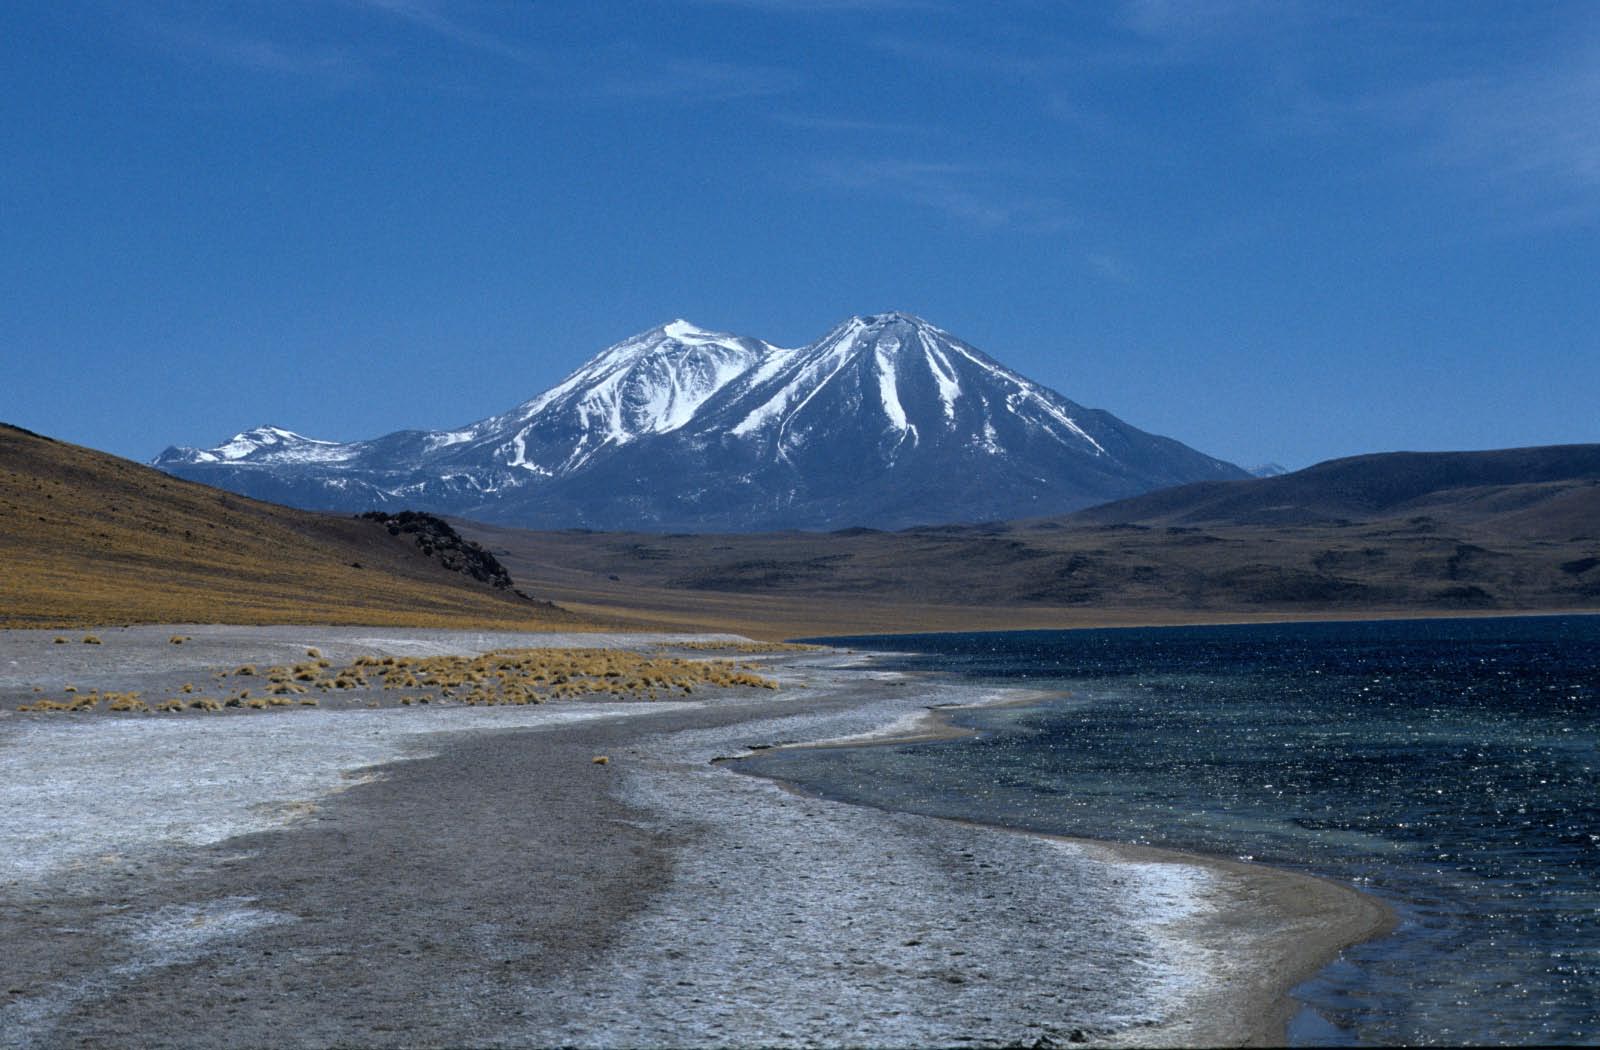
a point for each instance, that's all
(486, 883)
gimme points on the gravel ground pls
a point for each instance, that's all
(453, 876)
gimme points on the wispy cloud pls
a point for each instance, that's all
(1013, 61)
(972, 194)
(351, 52)
(1530, 136)
(328, 63)
(689, 79)
(1515, 122)
(811, 122)
(809, 7)
(1110, 267)
(1182, 24)
(432, 18)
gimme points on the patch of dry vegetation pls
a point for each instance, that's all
(745, 647)
(92, 539)
(505, 677)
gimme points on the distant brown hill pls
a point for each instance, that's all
(1400, 534)
(88, 538)
(1553, 491)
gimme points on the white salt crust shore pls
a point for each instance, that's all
(78, 793)
(787, 920)
(798, 921)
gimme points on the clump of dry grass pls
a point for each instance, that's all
(744, 647)
(42, 706)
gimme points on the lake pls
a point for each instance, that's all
(1447, 766)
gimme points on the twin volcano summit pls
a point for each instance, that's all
(886, 421)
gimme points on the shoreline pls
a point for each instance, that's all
(1178, 618)
(655, 899)
(1326, 916)
(622, 621)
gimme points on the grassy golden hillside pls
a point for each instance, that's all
(88, 538)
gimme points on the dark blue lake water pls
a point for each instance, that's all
(1449, 766)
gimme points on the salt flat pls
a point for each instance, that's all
(451, 875)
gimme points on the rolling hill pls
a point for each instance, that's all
(1558, 483)
(1396, 535)
(90, 538)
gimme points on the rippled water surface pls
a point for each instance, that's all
(1448, 766)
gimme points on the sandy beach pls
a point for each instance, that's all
(471, 876)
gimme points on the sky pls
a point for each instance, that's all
(1276, 231)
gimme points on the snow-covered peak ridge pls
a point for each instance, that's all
(893, 376)
(687, 333)
(948, 357)
(889, 317)
(871, 353)
(651, 383)
(268, 442)
(263, 437)
(659, 349)
(887, 420)
(915, 379)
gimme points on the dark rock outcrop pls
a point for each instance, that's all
(436, 538)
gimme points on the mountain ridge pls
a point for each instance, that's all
(886, 421)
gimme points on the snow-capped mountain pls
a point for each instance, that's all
(886, 421)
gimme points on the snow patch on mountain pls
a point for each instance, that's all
(888, 392)
(830, 355)
(518, 448)
(943, 374)
(989, 441)
(1025, 398)
(448, 438)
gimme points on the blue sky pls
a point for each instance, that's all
(1275, 231)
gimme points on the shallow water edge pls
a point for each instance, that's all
(1255, 931)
